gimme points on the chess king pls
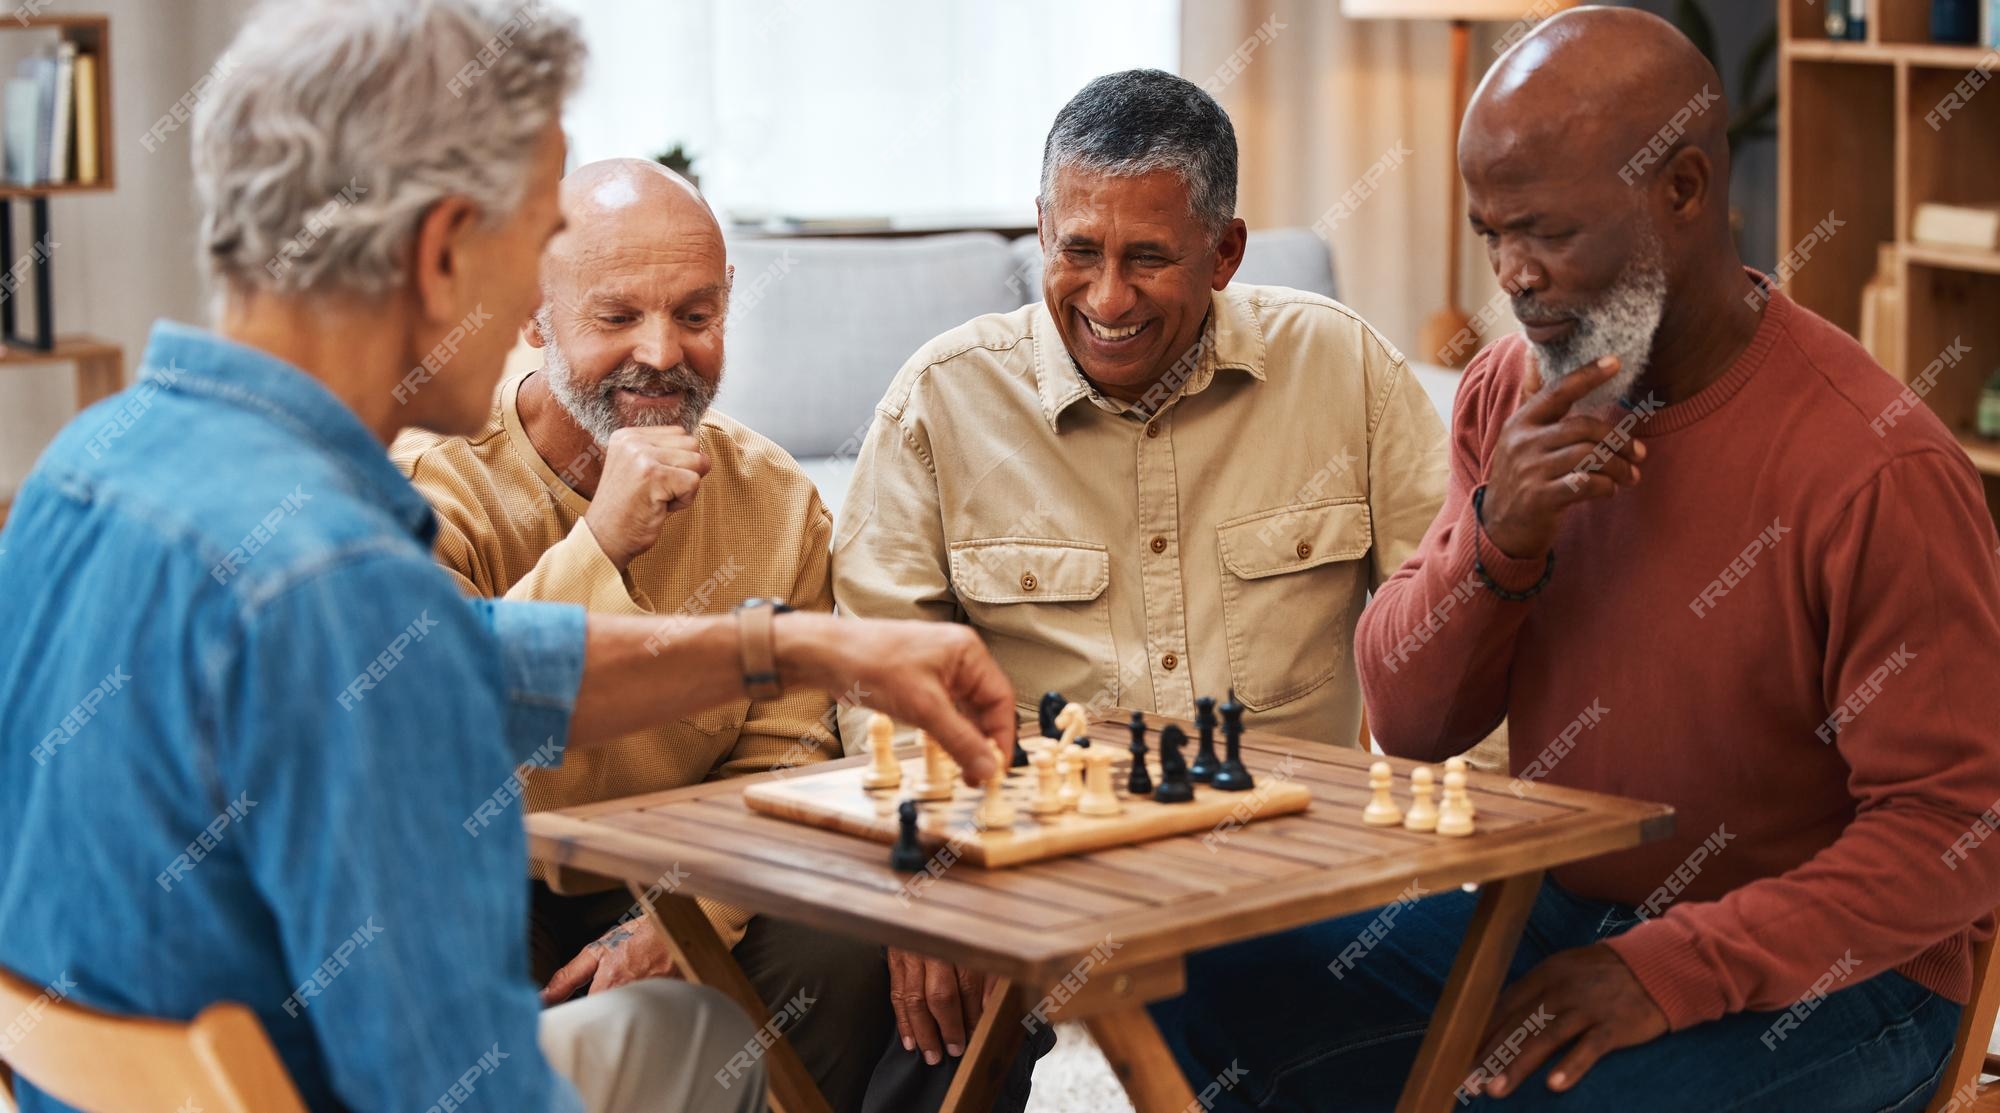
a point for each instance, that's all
(1790, 623)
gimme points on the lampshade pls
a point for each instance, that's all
(1452, 9)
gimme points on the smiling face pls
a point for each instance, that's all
(1128, 272)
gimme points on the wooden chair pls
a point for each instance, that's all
(1962, 1090)
(219, 1062)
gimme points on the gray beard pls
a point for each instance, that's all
(1622, 324)
(595, 406)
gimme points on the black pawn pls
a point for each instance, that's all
(1140, 783)
(1052, 705)
(1020, 755)
(908, 855)
(1205, 764)
(1232, 777)
(1175, 788)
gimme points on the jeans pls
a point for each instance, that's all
(1305, 1020)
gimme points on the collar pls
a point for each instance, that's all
(1232, 340)
(194, 361)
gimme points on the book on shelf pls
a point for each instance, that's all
(62, 114)
(23, 121)
(87, 167)
(1973, 226)
(49, 125)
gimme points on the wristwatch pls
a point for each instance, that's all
(759, 646)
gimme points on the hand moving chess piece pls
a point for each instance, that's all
(995, 811)
(1099, 798)
(1455, 814)
(938, 775)
(1423, 814)
(1074, 722)
(1175, 788)
(1205, 763)
(1052, 705)
(1233, 776)
(1457, 764)
(884, 771)
(908, 854)
(1048, 785)
(1140, 781)
(1381, 810)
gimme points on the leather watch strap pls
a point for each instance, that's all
(755, 633)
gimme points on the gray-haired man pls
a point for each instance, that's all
(1152, 485)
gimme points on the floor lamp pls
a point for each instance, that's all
(1439, 340)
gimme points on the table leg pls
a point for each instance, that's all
(990, 1053)
(701, 957)
(1462, 1013)
(1138, 1054)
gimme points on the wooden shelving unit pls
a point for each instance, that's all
(1858, 138)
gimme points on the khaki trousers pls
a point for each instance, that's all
(655, 1046)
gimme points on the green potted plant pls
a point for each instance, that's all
(678, 159)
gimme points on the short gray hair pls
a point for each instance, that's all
(336, 125)
(1140, 121)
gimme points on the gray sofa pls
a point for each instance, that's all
(818, 327)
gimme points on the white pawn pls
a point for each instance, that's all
(1099, 798)
(1455, 815)
(936, 784)
(995, 811)
(1381, 810)
(1048, 784)
(1072, 771)
(884, 772)
(1457, 764)
(1423, 814)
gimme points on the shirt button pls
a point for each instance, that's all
(1169, 661)
(1305, 549)
(1029, 582)
(1159, 544)
(1153, 430)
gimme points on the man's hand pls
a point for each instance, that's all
(937, 1004)
(628, 952)
(1534, 475)
(937, 675)
(649, 472)
(1586, 995)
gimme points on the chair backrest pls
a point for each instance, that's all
(1975, 1031)
(220, 1062)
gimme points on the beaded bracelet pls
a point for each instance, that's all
(1479, 564)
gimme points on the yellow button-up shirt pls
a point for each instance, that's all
(1145, 555)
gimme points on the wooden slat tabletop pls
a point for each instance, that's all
(1160, 899)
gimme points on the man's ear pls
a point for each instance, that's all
(532, 331)
(439, 266)
(1041, 225)
(1229, 251)
(1687, 178)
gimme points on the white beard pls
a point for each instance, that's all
(1622, 323)
(592, 407)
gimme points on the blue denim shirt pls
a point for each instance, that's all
(245, 723)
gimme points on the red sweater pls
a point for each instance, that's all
(1789, 631)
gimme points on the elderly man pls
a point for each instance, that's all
(605, 479)
(1682, 533)
(1152, 485)
(247, 719)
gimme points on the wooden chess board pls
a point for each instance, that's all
(836, 800)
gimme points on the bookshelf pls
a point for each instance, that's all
(1860, 136)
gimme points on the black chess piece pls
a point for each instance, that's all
(1140, 783)
(908, 854)
(1175, 788)
(1205, 764)
(1052, 705)
(1232, 777)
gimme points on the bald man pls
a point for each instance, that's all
(1714, 562)
(606, 479)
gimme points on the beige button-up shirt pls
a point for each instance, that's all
(1145, 555)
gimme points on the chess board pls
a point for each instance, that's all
(836, 800)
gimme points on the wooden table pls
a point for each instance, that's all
(1117, 923)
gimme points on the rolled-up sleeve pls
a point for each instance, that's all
(541, 666)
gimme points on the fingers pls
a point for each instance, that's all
(946, 1005)
(972, 997)
(1593, 1045)
(574, 975)
(901, 998)
(913, 1014)
(1555, 399)
(1534, 1050)
(981, 688)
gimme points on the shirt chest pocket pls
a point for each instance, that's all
(1041, 606)
(1292, 582)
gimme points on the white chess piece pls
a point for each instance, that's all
(1423, 813)
(995, 811)
(1099, 798)
(1455, 814)
(1048, 784)
(1381, 810)
(1072, 720)
(884, 772)
(1457, 764)
(1072, 771)
(936, 784)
